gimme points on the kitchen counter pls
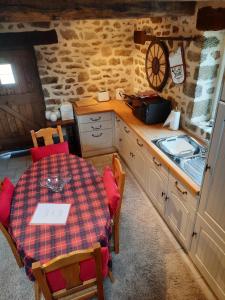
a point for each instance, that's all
(146, 132)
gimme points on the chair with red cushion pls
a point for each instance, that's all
(78, 274)
(114, 180)
(47, 135)
(6, 193)
(50, 148)
(38, 153)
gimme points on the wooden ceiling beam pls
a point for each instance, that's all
(209, 18)
(36, 10)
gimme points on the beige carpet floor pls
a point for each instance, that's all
(151, 264)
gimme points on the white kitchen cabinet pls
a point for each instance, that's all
(156, 183)
(208, 246)
(175, 204)
(138, 163)
(180, 212)
(208, 254)
(130, 148)
(96, 133)
(212, 204)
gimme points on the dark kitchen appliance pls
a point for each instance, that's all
(150, 110)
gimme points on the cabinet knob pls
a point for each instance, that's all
(139, 144)
(95, 119)
(166, 198)
(120, 140)
(97, 135)
(96, 128)
(155, 162)
(132, 154)
(194, 233)
(207, 167)
(126, 130)
(163, 194)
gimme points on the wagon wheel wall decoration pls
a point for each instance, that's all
(157, 65)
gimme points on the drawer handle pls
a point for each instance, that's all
(95, 119)
(96, 128)
(139, 144)
(156, 163)
(126, 130)
(120, 140)
(179, 189)
(98, 135)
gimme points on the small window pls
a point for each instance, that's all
(6, 74)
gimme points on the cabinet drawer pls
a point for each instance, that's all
(95, 126)
(95, 117)
(181, 191)
(91, 141)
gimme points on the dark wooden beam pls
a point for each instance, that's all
(209, 18)
(36, 10)
(29, 38)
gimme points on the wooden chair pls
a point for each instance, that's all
(46, 134)
(120, 180)
(9, 239)
(70, 269)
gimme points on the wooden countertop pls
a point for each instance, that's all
(146, 132)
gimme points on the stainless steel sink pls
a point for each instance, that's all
(191, 161)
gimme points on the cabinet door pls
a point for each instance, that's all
(179, 215)
(138, 164)
(212, 202)
(156, 182)
(208, 254)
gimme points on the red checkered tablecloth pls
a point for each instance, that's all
(88, 220)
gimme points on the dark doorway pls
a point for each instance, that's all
(21, 98)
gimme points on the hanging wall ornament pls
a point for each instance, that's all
(177, 65)
(157, 65)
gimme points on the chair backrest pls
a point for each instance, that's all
(46, 134)
(69, 266)
(119, 177)
(118, 173)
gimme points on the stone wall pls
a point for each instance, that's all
(90, 56)
(202, 57)
(95, 55)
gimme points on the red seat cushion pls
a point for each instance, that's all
(38, 153)
(87, 271)
(112, 190)
(5, 201)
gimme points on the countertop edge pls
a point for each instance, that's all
(113, 106)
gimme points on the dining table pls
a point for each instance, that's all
(88, 220)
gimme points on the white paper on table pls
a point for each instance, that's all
(50, 213)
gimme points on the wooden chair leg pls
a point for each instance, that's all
(37, 291)
(111, 277)
(116, 237)
(100, 291)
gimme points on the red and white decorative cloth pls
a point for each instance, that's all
(88, 221)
